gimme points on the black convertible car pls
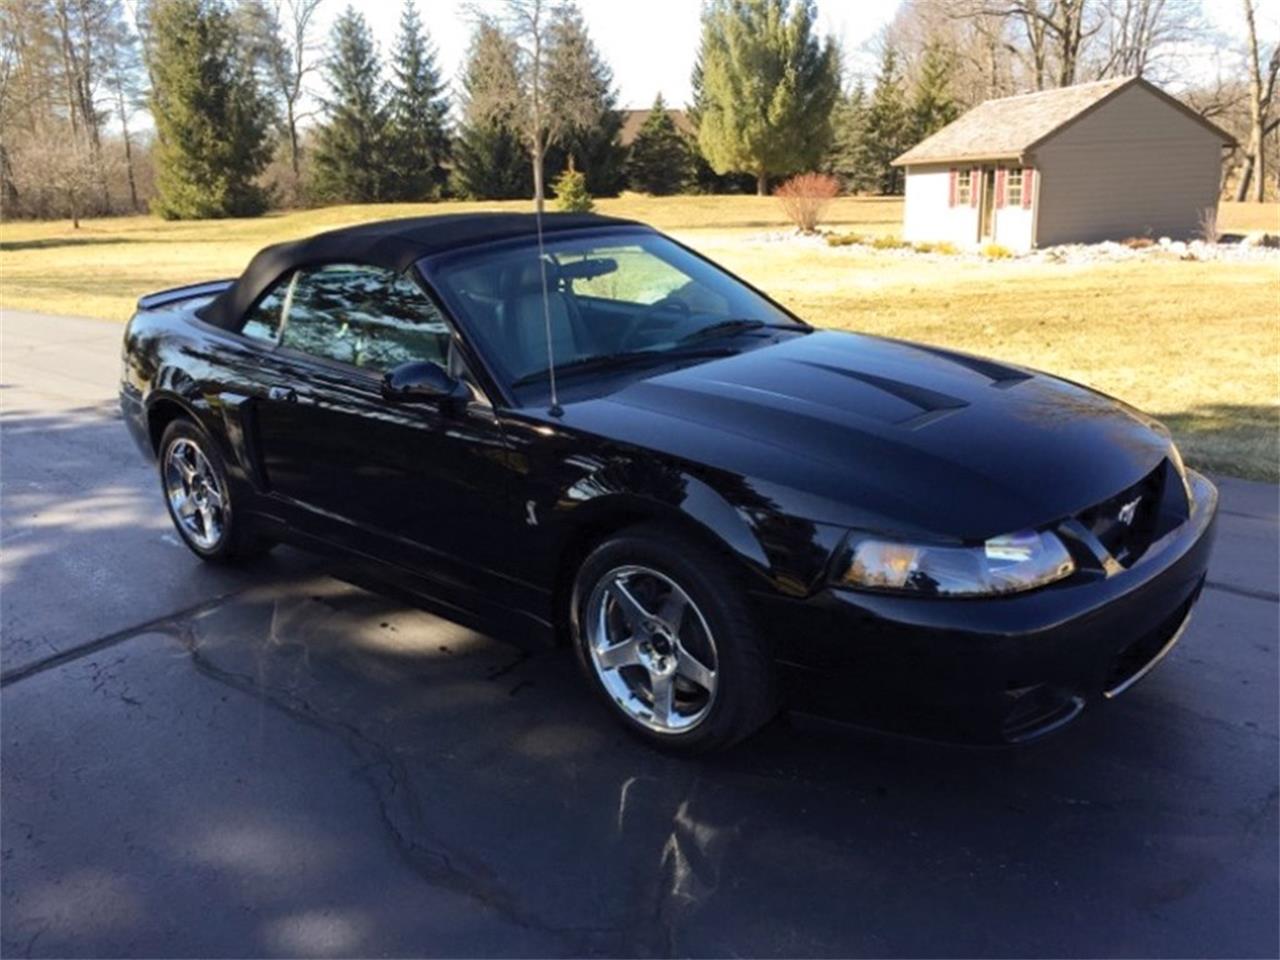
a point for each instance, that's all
(591, 432)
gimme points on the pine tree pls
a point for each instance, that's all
(352, 144)
(418, 136)
(211, 121)
(888, 126)
(659, 158)
(768, 87)
(932, 105)
(579, 94)
(848, 157)
(702, 178)
(490, 159)
(572, 195)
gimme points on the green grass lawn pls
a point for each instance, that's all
(1197, 344)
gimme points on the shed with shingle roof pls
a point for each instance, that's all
(1096, 161)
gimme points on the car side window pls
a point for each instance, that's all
(368, 317)
(263, 321)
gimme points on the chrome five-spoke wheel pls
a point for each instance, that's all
(196, 494)
(651, 648)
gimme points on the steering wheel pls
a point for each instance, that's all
(661, 315)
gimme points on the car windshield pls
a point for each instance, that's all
(613, 301)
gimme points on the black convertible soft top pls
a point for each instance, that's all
(394, 244)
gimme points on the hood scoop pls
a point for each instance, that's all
(1001, 377)
(929, 405)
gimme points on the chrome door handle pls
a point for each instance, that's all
(284, 394)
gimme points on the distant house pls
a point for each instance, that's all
(1097, 161)
(633, 120)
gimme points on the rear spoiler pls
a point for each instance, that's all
(163, 298)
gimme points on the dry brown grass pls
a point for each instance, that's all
(1197, 344)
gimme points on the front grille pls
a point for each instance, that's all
(1128, 523)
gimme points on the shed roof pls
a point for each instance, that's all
(1011, 126)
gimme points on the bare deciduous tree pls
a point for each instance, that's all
(61, 171)
(290, 62)
(1262, 87)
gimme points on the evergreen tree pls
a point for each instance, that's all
(579, 96)
(703, 179)
(888, 127)
(572, 195)
(351, 149)
(932, 105)
(848, 159)
(767, 87)
(418, 136)
(490, 159)
(659, 161)
(211, 121)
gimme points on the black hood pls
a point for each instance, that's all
(879, 434)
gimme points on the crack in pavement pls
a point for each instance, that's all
(430, 860)
(117, 637)
(1265, 595)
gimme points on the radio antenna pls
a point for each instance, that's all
(556, 410)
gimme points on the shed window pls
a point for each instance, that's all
(964, 188)
(1013, 188)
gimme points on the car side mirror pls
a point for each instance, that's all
(422, 382)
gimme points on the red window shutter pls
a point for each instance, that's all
(1026, 188)
(951, 194)
(975, 185)
(1000, 188)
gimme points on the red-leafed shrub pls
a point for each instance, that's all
(805, 198)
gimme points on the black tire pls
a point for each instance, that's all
(746, 696)
(238, 542)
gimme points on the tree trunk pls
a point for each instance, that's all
(1259, 171)
(1246, 176)
(1260, 93)
(128, 149)
(538, 150)
(762, 183)
(293, 143)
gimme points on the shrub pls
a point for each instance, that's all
(571, 193)
(888, 243)
(805, 197)
(939, 246)
(994, 251)
(845, 239)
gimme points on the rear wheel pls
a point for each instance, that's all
(198, 496)
(665, 636)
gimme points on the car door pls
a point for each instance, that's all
(415, 484)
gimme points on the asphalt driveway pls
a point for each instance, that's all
(273, 761)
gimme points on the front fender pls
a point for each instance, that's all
(772, 547)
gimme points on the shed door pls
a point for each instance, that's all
(987, 222)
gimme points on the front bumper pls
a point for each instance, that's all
(997, 670)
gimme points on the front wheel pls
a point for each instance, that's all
(664, 634)
(194, 480)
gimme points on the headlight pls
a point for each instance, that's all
(1006, 564)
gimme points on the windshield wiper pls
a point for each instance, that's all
(732, 326)
(624, 358)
